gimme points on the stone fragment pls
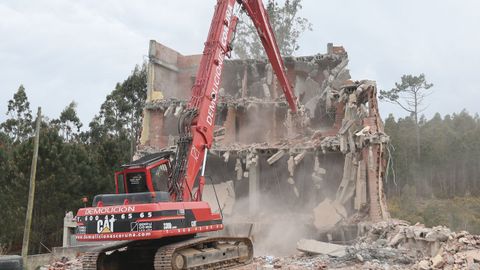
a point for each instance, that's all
(298, 158)
(291, 165)
(437, 261)
(464, 240)
(275, 157)
(239, 169)
(469, 263)
(291, 181)
(397, 239)
(178, 111)
(449, 259)
(424, 265)
(226, 156)
(438, 234)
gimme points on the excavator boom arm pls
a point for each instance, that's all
(198, 122)
(256, 11)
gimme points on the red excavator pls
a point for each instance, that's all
(153, 219)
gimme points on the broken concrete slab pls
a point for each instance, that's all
(225, 193)
(327, 215)
(318, 247)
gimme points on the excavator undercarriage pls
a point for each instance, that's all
(171, 253)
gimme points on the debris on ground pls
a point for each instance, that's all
(392, 244)
(389, 244)
(64, 263)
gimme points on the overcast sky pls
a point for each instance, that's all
(64, 50)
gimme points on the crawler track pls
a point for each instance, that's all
(168, 257)
(194, 253)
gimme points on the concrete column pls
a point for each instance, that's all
(361, 187)
(230, 127)
(253, 187)
(290, 126)
(244, 82)
(68, 226)
(273, 127)
(370, 155)
(242, 125)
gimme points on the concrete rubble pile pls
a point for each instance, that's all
(391, 244)
(428, 248)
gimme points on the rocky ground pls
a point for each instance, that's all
(390, 244)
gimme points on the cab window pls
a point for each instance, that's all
(159, 175)
(136, 182)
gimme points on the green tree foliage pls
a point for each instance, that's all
(449, 165)
(72, 163)
(69, 123)
(431, 190)
(19, 124)
(121, 113)
(6, 194)
(410, 95)
(287, 26)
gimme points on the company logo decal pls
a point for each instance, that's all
(106, 225)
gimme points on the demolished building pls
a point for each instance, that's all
(332, 170)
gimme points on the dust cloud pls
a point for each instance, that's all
(274, 228)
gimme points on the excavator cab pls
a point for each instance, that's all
(142, 181)
(147, 174)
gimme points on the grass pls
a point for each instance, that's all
(459, 213)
